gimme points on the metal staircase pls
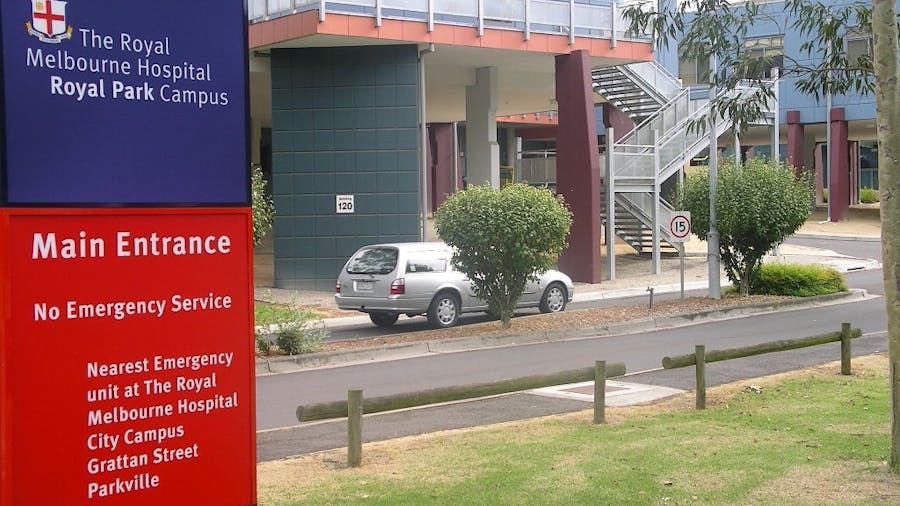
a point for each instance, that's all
(638, 90)
(655, 150)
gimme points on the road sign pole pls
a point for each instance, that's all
(680, 231)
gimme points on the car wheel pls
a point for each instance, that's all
(384, 319)
(444, 310)
(554, 299)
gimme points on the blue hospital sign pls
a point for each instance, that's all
(111, 102)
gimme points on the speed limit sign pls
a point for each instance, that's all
(680, 226)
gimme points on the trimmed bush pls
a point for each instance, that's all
(868, 196)
(503, 239)
(797, 280)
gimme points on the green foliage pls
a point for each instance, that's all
(868, 196)
(797, 280)
(758, 204)
(292, 326)
(825, 195)
(298, 338)
(503, 239)
(263, 345)
(702, 28)
(263, 207)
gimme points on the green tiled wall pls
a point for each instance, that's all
(344, 121)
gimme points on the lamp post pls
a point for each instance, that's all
(712, 239)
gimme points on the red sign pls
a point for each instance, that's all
(127, 357)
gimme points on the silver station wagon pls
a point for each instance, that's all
(416, 278)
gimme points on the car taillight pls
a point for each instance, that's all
(398, 287)
(337, 288)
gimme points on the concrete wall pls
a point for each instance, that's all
(344, 122)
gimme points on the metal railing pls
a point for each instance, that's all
(660, 80)
(574, 18)
(539, 167)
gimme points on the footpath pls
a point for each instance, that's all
(633, 277)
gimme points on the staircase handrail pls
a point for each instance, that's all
(700, 111)
(642, 135)
(665, 166)
(658, 77)
(653, 117)
(639, 211)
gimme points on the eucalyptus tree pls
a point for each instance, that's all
(718, 29)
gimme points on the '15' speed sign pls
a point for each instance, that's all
(680, 226)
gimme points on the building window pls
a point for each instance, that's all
(692, 71)
(770, 53)
(868, 164)
(858, 44)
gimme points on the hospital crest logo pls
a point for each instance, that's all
(48, 21)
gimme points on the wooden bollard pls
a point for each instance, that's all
(338, 409)
(756, 349)
(700, 354)
(845, 349)
(600, 391)
(354, 428)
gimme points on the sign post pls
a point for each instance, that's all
(126, 323)
(680, 231)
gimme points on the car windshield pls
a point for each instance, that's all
(373, 261)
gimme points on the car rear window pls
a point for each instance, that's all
(373, 261)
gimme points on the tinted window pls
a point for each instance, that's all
(373, 261)
(426, 263)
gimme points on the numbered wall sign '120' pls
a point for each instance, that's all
(344, 204)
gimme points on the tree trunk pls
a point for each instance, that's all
(884, 29)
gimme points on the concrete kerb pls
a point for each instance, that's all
(409, 350)
(829, 237)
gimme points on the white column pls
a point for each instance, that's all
(610, 206)
(482, 149)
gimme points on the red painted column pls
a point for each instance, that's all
(618, 120)
(440, 143)
(577, 162)
(795, 142)
(838, 167)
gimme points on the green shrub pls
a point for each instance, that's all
(503, 239)
(299, 338)
(292, 326)
(263, 345)
(868, 196)
(758, 204)
(825, 195)
(797, 280)
(262, 205)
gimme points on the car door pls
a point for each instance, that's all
(532, 294)
(426, 271)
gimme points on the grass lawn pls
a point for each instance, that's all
(809, 437)
(265, 313)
